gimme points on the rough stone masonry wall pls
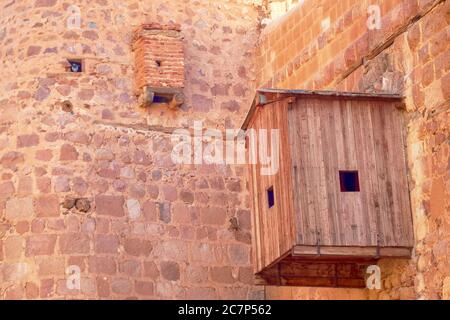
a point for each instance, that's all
(154, 229)
(326, 44)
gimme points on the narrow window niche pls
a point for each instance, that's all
(349, 181)
(160, 99)
(270, 197)
(75, 65)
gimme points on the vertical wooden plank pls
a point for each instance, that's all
(317, 106)
(286, 171)
(329, 151)
(310, 167)
(300, 154)
(403, 187)
(341, 162)
(260, 197)
(255, 214)
(362, 227)
(348, 199)
(385, 232)
(367, 225)
(398, 179)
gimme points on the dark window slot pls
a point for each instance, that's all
(349, 181)
(160, 99)
(270, 197)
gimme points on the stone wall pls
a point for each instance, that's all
(337, 45)
(86, 179)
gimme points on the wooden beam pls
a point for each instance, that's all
(357, 252)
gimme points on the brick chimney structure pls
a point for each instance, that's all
(159, 63)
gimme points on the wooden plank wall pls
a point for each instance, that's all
(327, 135)
(273, 229)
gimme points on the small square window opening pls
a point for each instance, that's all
(270, 197)
(160, 99)
(75, 66)
(349, 181)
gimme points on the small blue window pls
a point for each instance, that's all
(349, 181)
(270, 197)
(76, 66)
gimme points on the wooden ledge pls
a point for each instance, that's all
(325, 252)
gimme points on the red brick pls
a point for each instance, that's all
(414, 36)
(51, 266)
(213, 216)
(110, 205)
(68, 153)
(80, 261)
(14, 292)
(13, 247)
(138, 247)
(131, 268)
(38, 225)
(427, 74)
(222, 275)
(170, 270)
(27, 140)
(45, 3)
(47, 288)
(350, 56)
(244, 219)
(6, 189)
(149, 210)
(170, 193)
(170, 73)
(102, 265)
(106, 243)
(11, 159)
(437, 198)
(47, 206)
(25, 187)
(121, 286)
(19, 208)
(445, 85)
(195, 293)
(151, 270)
(74, 243)
(63, 290)
(187, 197)
(144, 288)
(44, 184)
(239, 255)
(22, 227)
(31, 291)
(102, 225)
(43, 244)
(103, 289)
(246, 275)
